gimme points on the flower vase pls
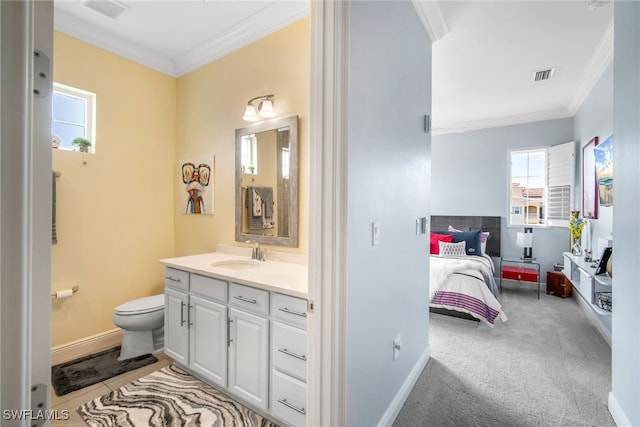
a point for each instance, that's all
(576, 249)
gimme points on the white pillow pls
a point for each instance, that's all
(453, 249)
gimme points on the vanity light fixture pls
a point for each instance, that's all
(265, 108)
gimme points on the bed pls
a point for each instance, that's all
(462, 277)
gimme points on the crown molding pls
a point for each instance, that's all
(516, 119)
(259, 25)
(600, 60)
(431, 17)
(271, 19)
(81, 30)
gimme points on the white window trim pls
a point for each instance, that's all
(90, 113)
(568, 178)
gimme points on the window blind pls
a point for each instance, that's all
(560, 182)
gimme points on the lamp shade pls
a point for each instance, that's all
(266, 108)
(250, 114)
(524, 240)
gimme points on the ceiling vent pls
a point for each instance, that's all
(111, 8)
(542, 75)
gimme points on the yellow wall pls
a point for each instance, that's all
(211, 102)
(118, 214)
(114, 213)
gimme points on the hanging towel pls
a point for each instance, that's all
(266, 194)
(259, 202)
(54, 232)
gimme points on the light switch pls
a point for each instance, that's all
(375, 234)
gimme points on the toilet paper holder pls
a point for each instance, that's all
(73, 290)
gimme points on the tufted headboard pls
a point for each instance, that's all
(492, 224)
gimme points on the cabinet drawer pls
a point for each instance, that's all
(209, 287)
(176, 279)
(289, 399)
(289, 310)
(520, 273)
(289, 350)
(249, 299)
(585, 283)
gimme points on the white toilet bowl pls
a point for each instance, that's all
(142, 323)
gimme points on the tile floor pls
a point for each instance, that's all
(71, 401)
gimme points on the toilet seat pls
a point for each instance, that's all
(141, 306)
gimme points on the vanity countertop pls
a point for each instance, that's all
(286, 278)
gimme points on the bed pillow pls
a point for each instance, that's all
(434, 248)
(452, 249)
(484, 235)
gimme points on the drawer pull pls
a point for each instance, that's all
(241, 298)
(295, 408)
(288, 353)
(173, 279)
(297, 313)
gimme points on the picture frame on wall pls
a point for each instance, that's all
(589, 180)
(604, 171)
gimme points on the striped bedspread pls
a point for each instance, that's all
(465, 285)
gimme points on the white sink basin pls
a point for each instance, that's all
(237, 264)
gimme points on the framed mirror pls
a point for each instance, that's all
(267, 182)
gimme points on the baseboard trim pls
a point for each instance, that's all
(393, 410)
(617, 413)
(82, 347)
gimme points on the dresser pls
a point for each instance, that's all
(557, 284)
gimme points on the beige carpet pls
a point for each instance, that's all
(546, 366)
(169, 397)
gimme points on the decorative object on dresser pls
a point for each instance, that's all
(558, 285)
(576, 224)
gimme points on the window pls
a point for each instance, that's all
(541, 185)
(249, 154)
(73, 115)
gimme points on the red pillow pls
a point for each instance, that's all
(435, 238)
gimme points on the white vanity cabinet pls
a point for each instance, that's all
(249, 342)
(289, 359)
(196, 324)
(176, 332)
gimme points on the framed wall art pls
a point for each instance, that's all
(196, 180)
(589, 185)
(604, 171)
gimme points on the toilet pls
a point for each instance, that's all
(142, 324)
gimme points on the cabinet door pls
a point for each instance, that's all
(208, 339)
(249, 357)
(176, 332)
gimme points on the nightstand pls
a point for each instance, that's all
(522, 270)
(558, 285)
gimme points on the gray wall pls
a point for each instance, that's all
(625, 356)
(595, 118)
(389, 92)
(470, 176)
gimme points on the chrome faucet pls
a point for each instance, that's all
(257, 253)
